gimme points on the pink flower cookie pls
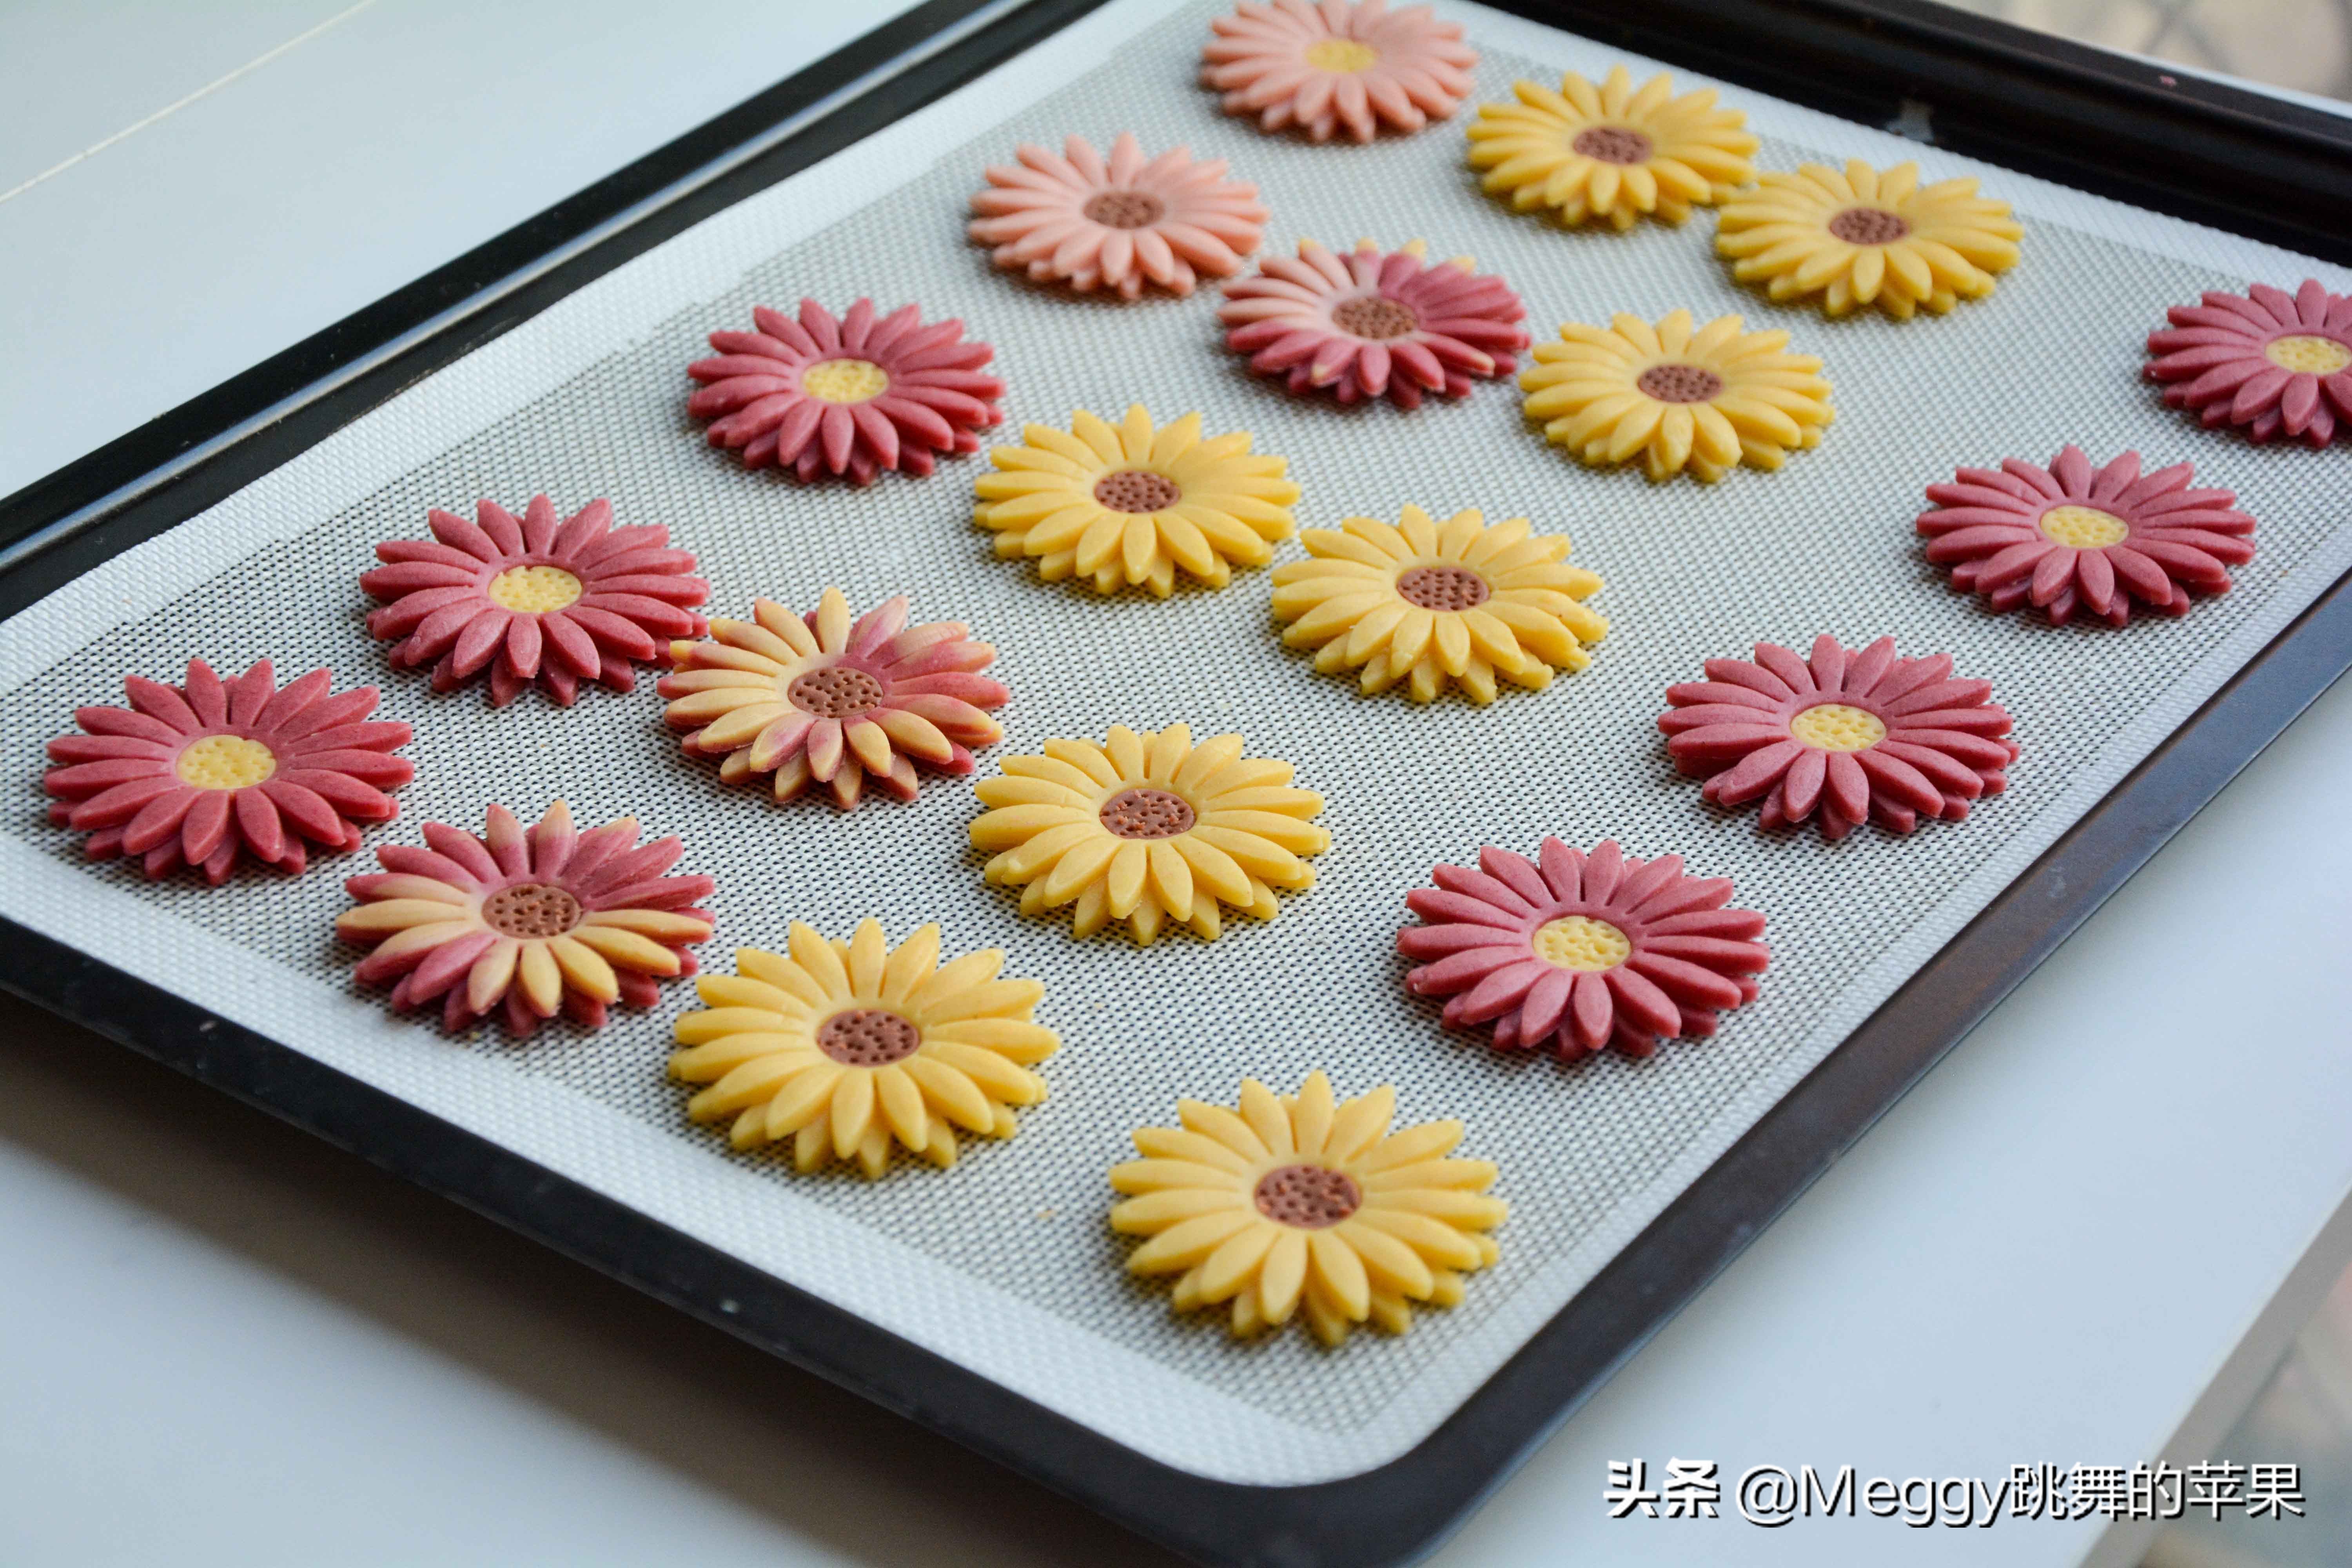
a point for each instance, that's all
(2069, 537)
(1075, 219)
(533, 600)
(1365, 323)
(1575, 951)
(200, 773)
(1335, 66)
(854, 397)
(525, 922)
(2270, 363)
(1858, 735)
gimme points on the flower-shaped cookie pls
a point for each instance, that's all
(1147, 829)
(2070, 537)
(1858, 733)
(524, 922)
(2270, 363)
(197, 774)
(1577, 951)
(1075, 219)
(534, 599)
(854, 397)
(1706, 400)
(846, 1047)
(1425, 602)
(1867, 236)
(1129, 504)
(1610, 151)
(1334, 66)
(816, 698)
(1364, 323)
(1296, 1202)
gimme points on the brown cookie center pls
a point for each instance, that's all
(530, 910)
(1680, 382)
(1137, 489)
(1613, 144)
(1126, 209)
(867, 1037)
(1869, 226)
(1372, 316)
(836, 692)
(1307, 1197)
(1443, 588)
(1147, 814)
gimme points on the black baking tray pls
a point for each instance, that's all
(2119, 127)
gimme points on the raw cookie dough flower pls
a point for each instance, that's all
(1868, 238)
(534, 599)
(197, 774)
(854, 397)
(1132, 504)
(1575, 951)
(1610, 151)
(818, 698)
(1706, 401)
(1297, 1204)
(1147, 829)
(1860, 734)
(2270, 362)
(846, 1047)
(1425, 604)
(1365, 323)
(527, 922)
(2069, 537)
(1074, 218)
(1333, 66)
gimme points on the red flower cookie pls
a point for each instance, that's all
(2270, 363)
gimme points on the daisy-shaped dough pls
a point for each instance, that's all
(1149, 829)
(1868, 237)
(1296, 1202)
(2269, 362)
(1576, 951)
(1333, 66)
(1610, 151)
(1365, 323)
(854, 396)
(2070, 537)
(525, 922)
(819, 698)
(846, 1047)
(1706, 400)
(534, 599)
(1427, 602)
(1859, 734)
(201, 773)
(1076, 219)
(1130, 504)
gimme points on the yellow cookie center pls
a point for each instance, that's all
(845, 380)
(1341, 55)
(1580, 941)
(2306, 354)
(1835, 727)
(2084, 527)
(534, 590)
(225, 761)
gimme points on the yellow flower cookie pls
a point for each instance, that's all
(1295, 1204)
(1866, 237)
(1610, 151)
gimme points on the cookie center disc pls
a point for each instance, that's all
(1370, 316)
(1869, 226)
(2084, 527)
(1307, 1197)
(530, 910)
(2307, 355)
(1443, 588)
(845, 381)
(1581, 943)
(1679, 383)
(534, 590)
(1613, 144)
(1126, 209)
(836, 692)
(867, 1037)
(1137, 489)
(1341, 55)
(224, 762)
(1147, 814)
(1836, 726)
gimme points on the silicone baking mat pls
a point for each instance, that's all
(1005, 1266)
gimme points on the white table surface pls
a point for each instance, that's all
(223, 1342)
